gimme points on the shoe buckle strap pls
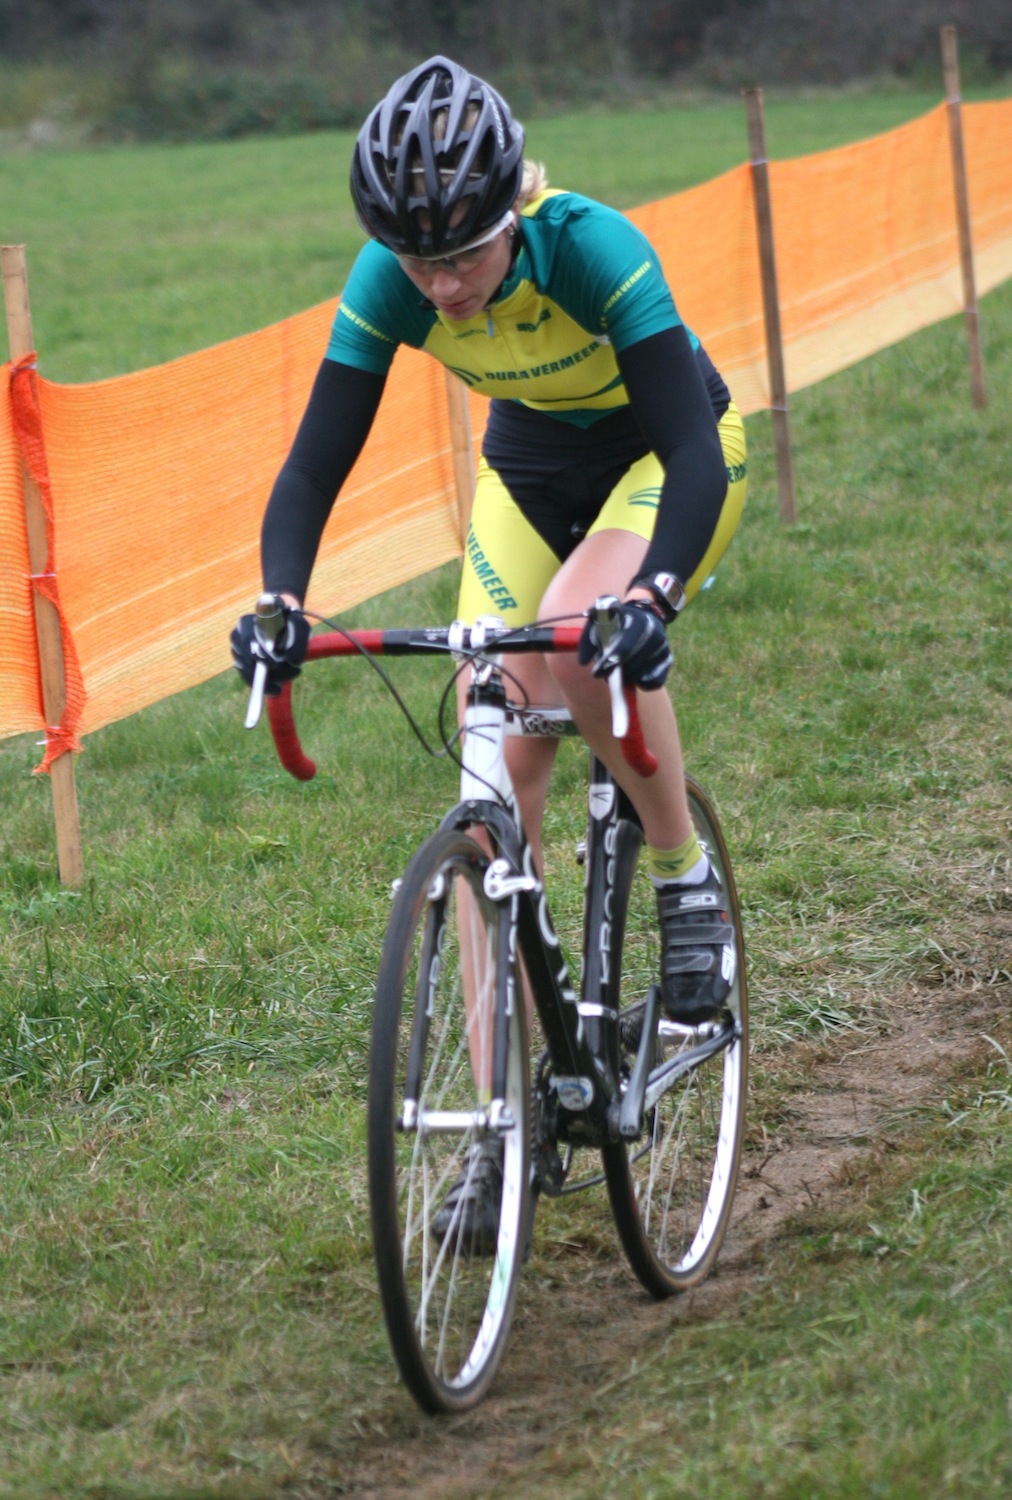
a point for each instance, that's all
(689, 934)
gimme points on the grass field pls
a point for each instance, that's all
(187, 1303)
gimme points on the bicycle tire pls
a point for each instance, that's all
(448, 1311)
(671, 1191)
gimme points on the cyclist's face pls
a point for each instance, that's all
(460, 285)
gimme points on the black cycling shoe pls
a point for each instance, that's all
(698, 957)
(470, 1214)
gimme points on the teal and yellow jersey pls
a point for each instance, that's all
(584, 284)
(590, 370)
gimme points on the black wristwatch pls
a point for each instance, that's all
(666, 590)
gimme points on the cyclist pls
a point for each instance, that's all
(613, 460)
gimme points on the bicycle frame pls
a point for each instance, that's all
(581, 1031)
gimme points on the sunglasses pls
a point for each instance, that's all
(468, 258)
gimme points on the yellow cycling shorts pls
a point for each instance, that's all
(508, 565)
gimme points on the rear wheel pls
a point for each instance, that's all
(447, 1287)
(671, 1190)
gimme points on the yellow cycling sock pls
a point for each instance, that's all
(684, 863)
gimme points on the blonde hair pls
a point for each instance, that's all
(533, 183)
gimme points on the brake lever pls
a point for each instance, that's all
(619, 707)
(605, 611)
(270, 617)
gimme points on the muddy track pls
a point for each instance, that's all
(838, 1104)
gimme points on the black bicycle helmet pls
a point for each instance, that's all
(441, 138)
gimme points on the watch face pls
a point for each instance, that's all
(670, 587)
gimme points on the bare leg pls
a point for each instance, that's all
(603, 564)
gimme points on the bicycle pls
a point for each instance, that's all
(451, 1082)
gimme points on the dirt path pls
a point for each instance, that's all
(834, 1103)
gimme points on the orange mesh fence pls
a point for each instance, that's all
(987, 137)
(159, 479)
(162, 478)
(867, 246)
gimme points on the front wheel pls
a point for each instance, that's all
(448, 1174)
(671, 1190)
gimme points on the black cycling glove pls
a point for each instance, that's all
(639, 645)
(284, 657)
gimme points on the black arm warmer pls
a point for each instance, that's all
(670, 402)
(334, 427)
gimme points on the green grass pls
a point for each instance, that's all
(187, 1303)
(865, 1351)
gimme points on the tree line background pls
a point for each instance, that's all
(186, 69)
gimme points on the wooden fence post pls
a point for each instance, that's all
(47, 619)
(771, 301)
(950, 61)
(463, 453)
